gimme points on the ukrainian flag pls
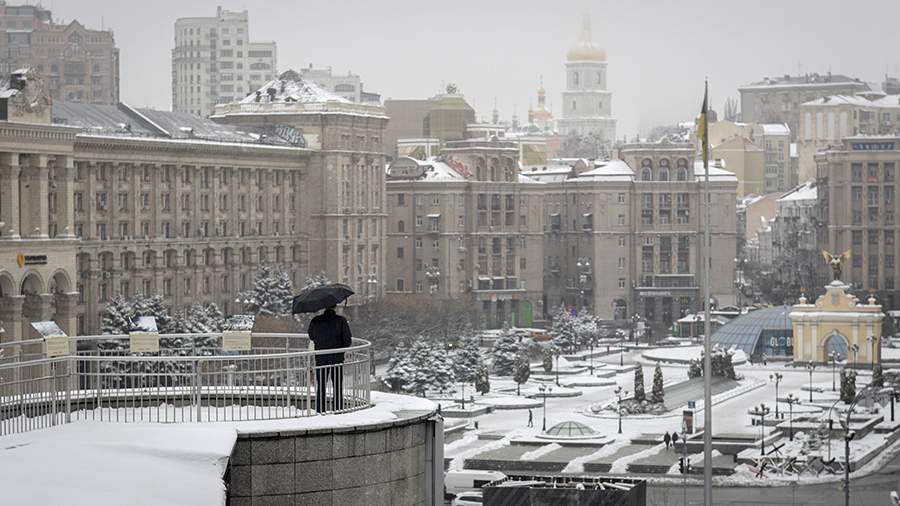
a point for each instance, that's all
(703, 126)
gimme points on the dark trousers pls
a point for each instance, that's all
(335, 373)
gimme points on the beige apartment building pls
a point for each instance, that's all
(467, 225)
(120, 200)
(778, 99)
(624, 236)
(78, 64)
(827, 120)
(345, 176)
(738, 145)
(857, 194)
(746, 160)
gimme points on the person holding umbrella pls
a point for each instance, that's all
(327, 331)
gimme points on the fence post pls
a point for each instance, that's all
(69, 365)
(196, 390)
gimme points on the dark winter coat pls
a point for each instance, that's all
(329, 331)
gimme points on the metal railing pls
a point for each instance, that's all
(190, 379)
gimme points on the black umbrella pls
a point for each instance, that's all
(320, 297)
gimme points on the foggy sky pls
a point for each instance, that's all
(658, 51)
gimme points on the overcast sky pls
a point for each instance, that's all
(658, 50)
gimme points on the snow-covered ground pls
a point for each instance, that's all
(685, 354)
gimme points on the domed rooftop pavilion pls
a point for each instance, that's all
(764, 331)
(569, 430)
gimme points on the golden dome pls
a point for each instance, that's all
(584, 49)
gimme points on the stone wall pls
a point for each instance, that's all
(379, 464)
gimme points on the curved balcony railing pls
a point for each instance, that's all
(191, 379)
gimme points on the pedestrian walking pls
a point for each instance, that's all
(530, 418)
(674, 439)
(329, 331)
(667, 439)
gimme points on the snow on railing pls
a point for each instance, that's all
(192, 378)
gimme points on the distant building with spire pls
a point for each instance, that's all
(541, 117)
(587, 104)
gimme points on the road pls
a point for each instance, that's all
(872, 490)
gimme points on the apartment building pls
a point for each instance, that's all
(466, 224)
(79, 64)
(214, 61)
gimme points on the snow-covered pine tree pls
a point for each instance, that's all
(547, 361)
(878, 376)
(272, 292)
(319, 279)
(152, 305)
(562, 331)
(848, 385)
(504, 353)
(695, 368)
(116, 316)
(482, 380)
(656, 395)
(585, 327)
(522, 371)
(639, 394)
(466, 359)
(398, 369)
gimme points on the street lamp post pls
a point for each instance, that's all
(791, 400)
(557, 367)
(833, 356)
(855, 349)
(848, 436)
(761, 411)
(619, 393)
(776, 378)
(872, 340)
(545, 390)
(591, 356)
(810, 367)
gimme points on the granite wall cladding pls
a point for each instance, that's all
(383, 464)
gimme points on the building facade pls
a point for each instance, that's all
(624, 237)
(348, 86)
(586, 102)
(858, 208)
(79, 64)
(444, 117)
(778, 99)
(214, 61)
(746, 160)
(467, 225)
(827, 120)
(345, 175)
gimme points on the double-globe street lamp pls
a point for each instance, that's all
(545, 391)
(833, 357)
(761, 411)
(791, 400)
(776, 378)
(244, 302)
(873, 341)
(619, 393)
(810, 367)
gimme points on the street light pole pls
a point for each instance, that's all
(872, 341)
(761, 411)
(618, 392)
(833, 356)
(855, 349)
(544, 390)
(791, 400)
(810, 367)
(777, 379)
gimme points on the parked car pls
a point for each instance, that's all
(457, 481)
(468, 499)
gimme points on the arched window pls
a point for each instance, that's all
(682, 174)
(663, 174)
(646, 174)
(401, 227)
(575, 78)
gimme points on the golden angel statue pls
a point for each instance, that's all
(836, 262)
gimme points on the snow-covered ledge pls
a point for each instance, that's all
(390, 448)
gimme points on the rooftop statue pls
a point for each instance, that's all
(836, 262)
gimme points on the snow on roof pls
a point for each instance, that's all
(813, 79)
(290, 87)
(608, 170)
(806, 191)
(776, 129)
(716, 173)
(857, 100)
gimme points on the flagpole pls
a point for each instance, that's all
(707, 337)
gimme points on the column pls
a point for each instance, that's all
(66, 315)
(65, 196)
(9, 195)
(11, 317)
(34, 186)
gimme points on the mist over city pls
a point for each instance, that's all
(431, 253)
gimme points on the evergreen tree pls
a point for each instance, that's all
(695, 369)
(116, 316)
(848, 385)
(482, 380)
(639, 394)
(466, 359)
(272, 293)
(877, 376)
(152, 305)
(547, 361)
(562, 331)
(504, 353)
(656, 394)
(585, 327)
(522, 372)
(398, 369)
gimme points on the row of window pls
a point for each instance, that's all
(874, 172)
(124, 201)
(188, 229)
